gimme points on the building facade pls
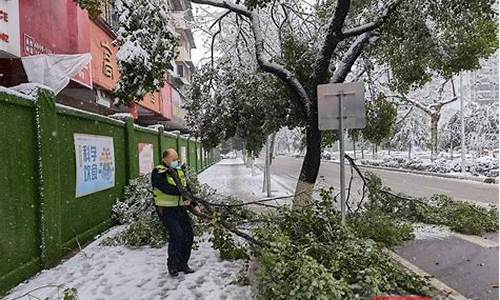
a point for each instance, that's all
(31, 27)
(481, 86)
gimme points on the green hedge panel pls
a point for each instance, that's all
(83, 213)
(19, 210)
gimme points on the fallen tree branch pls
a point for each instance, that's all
(207, 205)
(363, 178)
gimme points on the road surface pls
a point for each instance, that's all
(410, 184)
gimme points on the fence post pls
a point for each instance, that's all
(177, 143)
(132, 151)
(161, 144)
(195, 156)
(48, 179)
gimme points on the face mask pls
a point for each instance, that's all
(174, 164)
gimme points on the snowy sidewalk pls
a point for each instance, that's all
(104, 273)
(232, 177)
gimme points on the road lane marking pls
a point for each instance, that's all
(480, 241)
(438, 285)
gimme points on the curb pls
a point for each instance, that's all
(478, 179)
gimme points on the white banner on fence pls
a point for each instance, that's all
(95, 163)
(146, 158)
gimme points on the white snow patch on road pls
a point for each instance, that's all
(430, 232)
(102, 272)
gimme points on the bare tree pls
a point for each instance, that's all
(433, 109)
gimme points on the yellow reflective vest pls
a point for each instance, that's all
(165, 200)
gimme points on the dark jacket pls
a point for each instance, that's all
(159, 181)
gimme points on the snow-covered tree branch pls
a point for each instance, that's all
(147, 45)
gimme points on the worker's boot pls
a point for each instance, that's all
(173, 270)
(186, 269)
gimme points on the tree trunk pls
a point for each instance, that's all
(434, 135)
(266, 185)
(354, 149)
(310, 165)
(409, 150)
(362, 153)
(273, 142)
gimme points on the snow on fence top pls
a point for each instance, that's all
(80, 111)
(146, 128)
(120, 116)
(31, 89)
(16, 93)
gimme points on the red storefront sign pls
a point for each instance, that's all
(9, 28)
(56, 27)
(166, 101)
(104, 66)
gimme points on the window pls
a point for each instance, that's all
(109, 14)
(180, 70)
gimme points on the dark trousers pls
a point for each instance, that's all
(180, 231)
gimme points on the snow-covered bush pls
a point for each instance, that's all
(136, 208)
(482, 166)
(137, 201)
(463, 217)
(486, 166)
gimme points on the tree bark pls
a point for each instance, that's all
(310, 165)
(409, 150)
(354, 148)
(434, 135)
(273, 143)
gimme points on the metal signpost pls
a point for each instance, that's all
(341, 106)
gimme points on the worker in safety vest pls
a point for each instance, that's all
(172, 209)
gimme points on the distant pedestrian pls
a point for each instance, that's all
(172, 209)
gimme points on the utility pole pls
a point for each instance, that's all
(341, 106)
(342, 167)
(462, 124)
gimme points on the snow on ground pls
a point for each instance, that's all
(103, 272)
(430, 232)
(484, 166)
(232, 177)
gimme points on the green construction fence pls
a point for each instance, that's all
(42, 220)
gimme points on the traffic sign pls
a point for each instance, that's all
(341, 106)
(353, 98)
